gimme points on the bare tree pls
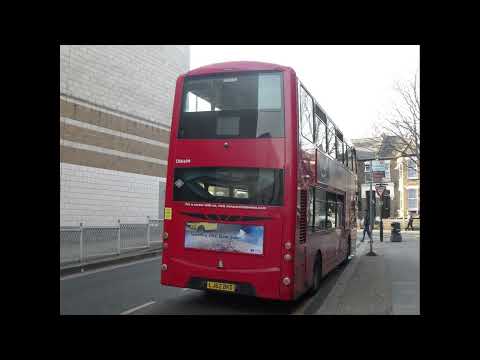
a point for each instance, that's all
(404, 121)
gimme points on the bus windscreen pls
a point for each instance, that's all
(248, 105)
(229, 185)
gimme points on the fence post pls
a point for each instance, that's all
(81, 242)
(118, 239)
(148, 231)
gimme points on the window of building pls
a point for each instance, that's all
(412, 169)
(387, 171)
(367, 166)
(412, 199)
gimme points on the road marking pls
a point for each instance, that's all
(74, 276)
(138, 308)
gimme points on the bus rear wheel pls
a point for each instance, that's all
(349, 251)
(317, 275)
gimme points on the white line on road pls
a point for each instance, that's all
(137, 308)
(73, 276)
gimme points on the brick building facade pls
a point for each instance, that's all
(115, 113)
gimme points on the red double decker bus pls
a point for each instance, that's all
(261, 186)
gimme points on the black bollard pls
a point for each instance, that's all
(381, 229)
(395, 236)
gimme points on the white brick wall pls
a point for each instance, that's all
(101, 197)
(138, 80)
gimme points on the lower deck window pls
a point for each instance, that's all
(229, 185)
(326, 210)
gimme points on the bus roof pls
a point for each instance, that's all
(234, 66)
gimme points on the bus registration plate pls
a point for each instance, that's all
(220, 286)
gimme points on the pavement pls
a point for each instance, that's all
(130, 284)
(386, 284)
(128, 256)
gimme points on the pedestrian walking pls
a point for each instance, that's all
(410, 222)
(366, 226)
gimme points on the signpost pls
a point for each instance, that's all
(380, 189)
(372, 221)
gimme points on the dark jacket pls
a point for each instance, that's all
(366, 221)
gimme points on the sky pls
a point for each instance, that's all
(353, 83)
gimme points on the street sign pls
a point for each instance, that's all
(378, 165)
(380, 189)
(378, 176)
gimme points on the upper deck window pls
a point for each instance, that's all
(331, 145)
(321, 134)
(306, 115)
(246, 105)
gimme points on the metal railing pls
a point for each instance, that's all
(80, 243)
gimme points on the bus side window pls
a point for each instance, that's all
(331, 211)
(354, 159)
(306, 116)
(346, 154)
(339, 149)
(331, 146)
(340, 218)
(311, 208)
(320, 210)
(321, 134)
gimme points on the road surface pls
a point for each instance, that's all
(135, 289)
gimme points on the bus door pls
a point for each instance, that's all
(340, 227)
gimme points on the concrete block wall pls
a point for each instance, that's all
(101, 197)
(133, 79)
(121, 84)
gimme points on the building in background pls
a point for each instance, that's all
(400, 176)
(115, 113)
(409, 188)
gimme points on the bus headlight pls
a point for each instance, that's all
(287, 257)
(165, 235)
(286, 281)
(288, 245)
(164, 267)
